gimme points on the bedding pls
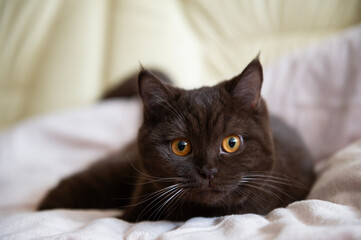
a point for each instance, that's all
(36, 154)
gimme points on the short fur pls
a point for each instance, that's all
(271, 169)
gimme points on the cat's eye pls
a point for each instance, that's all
(232, 143)
(181, 146)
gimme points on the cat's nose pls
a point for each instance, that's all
(208, 172)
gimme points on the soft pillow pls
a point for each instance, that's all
(318, 91)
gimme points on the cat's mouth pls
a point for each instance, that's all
(210, 191)
(209, 195)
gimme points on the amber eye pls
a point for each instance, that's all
(181, 146)
(231, 143)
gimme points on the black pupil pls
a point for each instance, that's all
(232, 142)
(182, 145)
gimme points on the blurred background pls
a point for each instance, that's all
(60, 54)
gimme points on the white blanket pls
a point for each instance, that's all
(54, 146)
(36, 154)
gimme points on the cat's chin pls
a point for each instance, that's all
(209, 196)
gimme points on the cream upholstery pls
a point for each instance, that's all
(61, 54)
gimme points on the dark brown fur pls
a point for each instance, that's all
(271, 169)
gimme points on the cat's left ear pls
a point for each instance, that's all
(246, 87)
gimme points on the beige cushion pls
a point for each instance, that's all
(60, 54)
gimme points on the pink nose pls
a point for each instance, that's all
(208, 173)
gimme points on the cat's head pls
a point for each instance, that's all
(205, 139)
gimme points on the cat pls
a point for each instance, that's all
(207, 152)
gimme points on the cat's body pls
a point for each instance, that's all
(182, 167)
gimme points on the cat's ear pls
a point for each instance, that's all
(153, 91)
(246, 87)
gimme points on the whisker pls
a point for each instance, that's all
(256, 198)
(149, 196)
(274, 180)
(278, 176)
(168, 201)
(264, 190)
(182, 203)
(149, 177)
(140, 172)
(161, 195)
(178, 202)
(267, 183)
(280, 190)
(161, 180)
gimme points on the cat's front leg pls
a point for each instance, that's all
(106, 184)
(69, 193)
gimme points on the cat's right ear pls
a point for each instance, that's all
(153, 92)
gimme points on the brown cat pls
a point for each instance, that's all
(206, 152)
